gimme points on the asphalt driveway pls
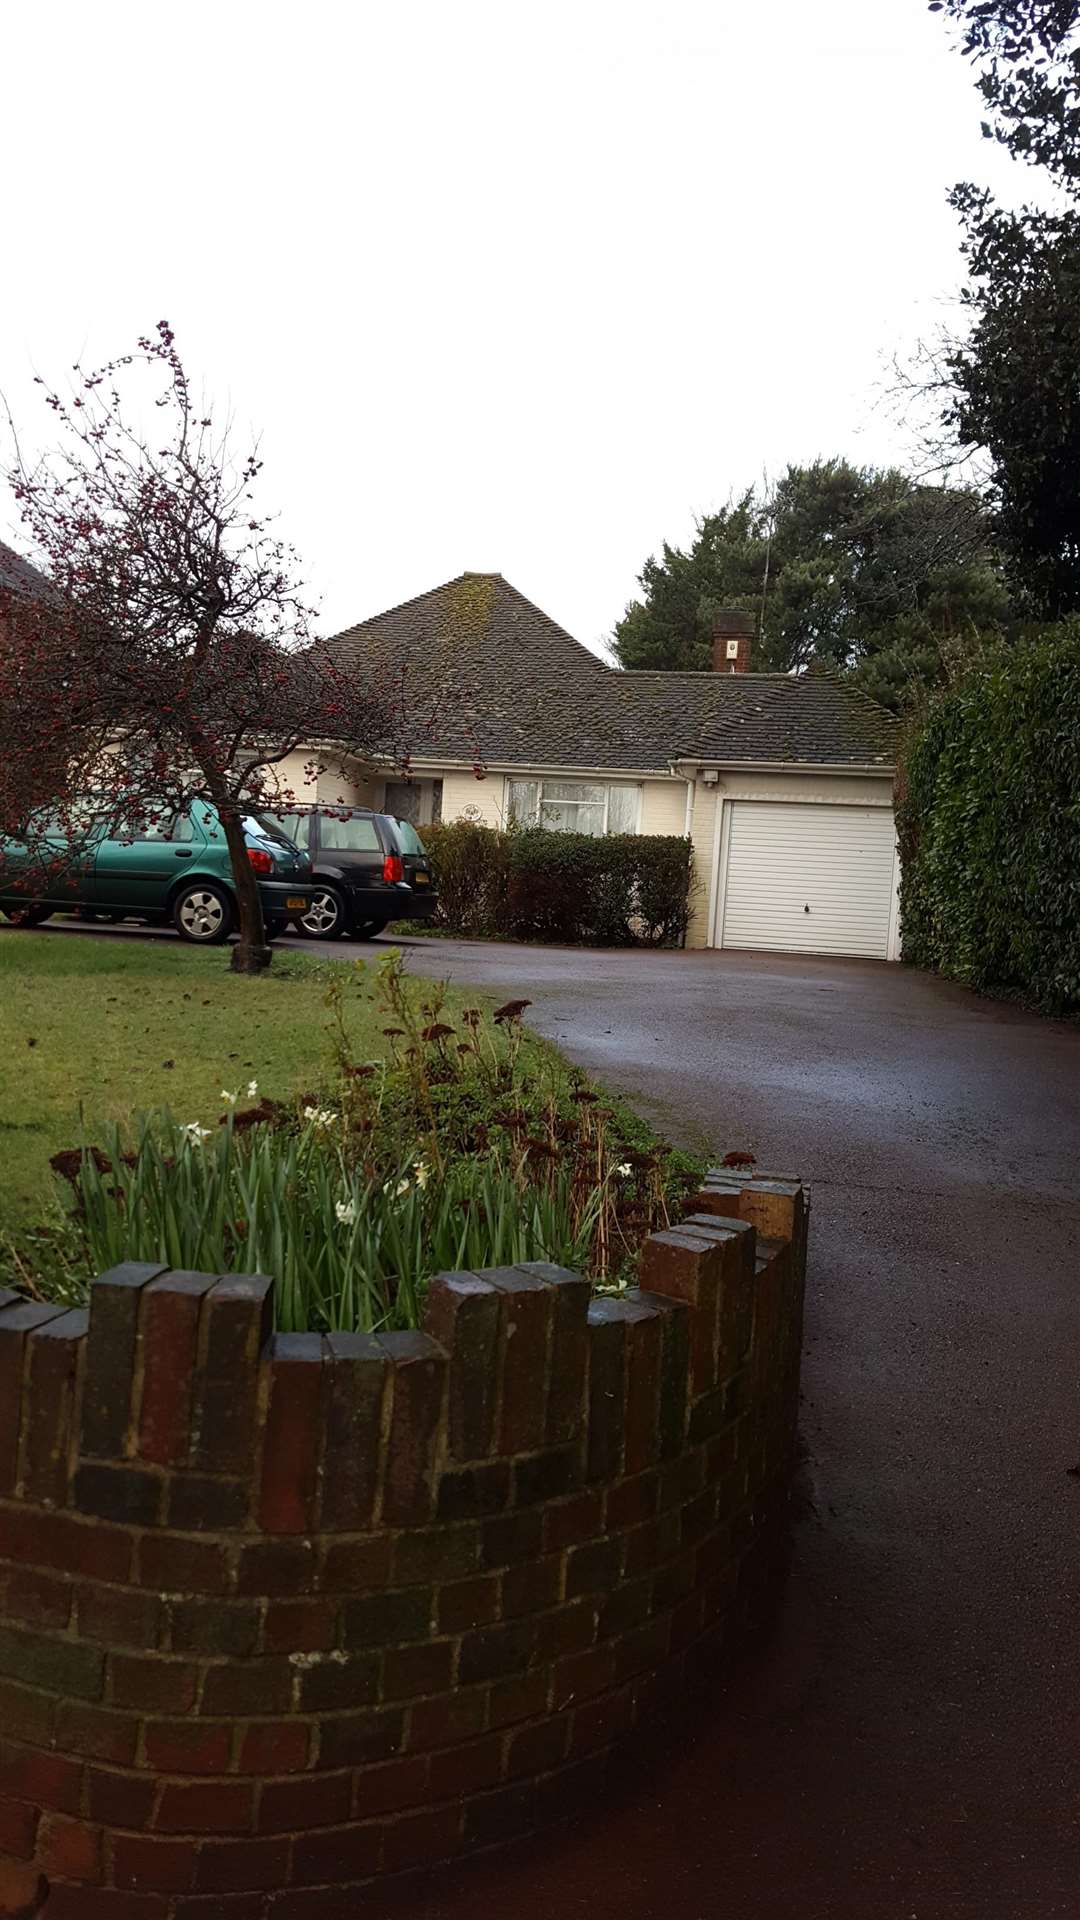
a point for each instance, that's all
(907, 1746)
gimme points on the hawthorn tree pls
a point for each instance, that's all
(168, 655)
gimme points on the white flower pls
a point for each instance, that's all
(194, 1132)
(625, 1170)
(230, 1099)
(422, 1175)
(403, 1187)
(253, 1088)
(320, 1116)
(346, 1212)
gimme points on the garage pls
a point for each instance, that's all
(800, 878)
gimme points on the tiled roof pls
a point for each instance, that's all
(813, 719)
(485, 675)
(17, 575)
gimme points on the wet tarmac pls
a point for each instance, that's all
(907, 1745)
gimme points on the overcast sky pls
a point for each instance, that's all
(520, 288)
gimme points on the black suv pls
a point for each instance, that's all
(369, 869)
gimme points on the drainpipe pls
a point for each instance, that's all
(688, 818)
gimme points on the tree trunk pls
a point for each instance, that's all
(252, 953)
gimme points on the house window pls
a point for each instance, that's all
(574, 806)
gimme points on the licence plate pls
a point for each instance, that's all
(421, 880)
(295, 902)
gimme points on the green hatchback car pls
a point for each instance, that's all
(175, 869)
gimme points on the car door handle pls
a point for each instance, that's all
(181, 853)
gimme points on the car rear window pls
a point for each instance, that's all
(261, 827)
(356, 833)
(408, 836)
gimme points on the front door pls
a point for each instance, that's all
(403, 800)
(417, 801)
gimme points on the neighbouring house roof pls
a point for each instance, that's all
(18, 576)
(485, 676)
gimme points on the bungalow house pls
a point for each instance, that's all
(784, 784)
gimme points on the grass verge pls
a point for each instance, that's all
(96, 1028)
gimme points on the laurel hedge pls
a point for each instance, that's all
(531, 884)
(989, 823)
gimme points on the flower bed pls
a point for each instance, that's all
(472, 1145)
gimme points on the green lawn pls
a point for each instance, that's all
(93, 1029)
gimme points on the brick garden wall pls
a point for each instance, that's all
(279, 1615)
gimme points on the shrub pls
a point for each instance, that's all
(989, 821)
(470, 864)
(531, 884)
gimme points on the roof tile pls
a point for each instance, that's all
(485, 676)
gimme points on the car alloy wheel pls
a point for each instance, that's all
(201, 915)
(323, 919)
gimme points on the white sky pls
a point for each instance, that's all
(504, 286)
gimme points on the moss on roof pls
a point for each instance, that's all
(485, 673)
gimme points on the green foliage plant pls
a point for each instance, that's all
(573, 889)
(989, 822)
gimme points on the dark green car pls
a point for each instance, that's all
(176, 869)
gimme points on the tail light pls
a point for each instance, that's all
(262, 862)
(393, 869)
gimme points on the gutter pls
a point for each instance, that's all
(684, 767)
(698, 763)
(524, 768)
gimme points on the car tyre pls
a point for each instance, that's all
(274, 926)
(203, 914)
(325, 919)
(367, 929)
(28, 916)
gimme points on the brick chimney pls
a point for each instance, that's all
(733, 630)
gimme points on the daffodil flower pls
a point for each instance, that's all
(230, 1099)
(346, 1212)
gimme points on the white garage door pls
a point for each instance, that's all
(809, 879)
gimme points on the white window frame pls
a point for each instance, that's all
(564, 780)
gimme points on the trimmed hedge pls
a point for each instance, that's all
(989, 822)
(529, 884)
